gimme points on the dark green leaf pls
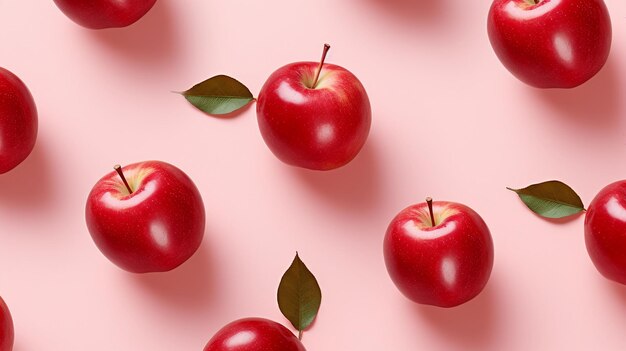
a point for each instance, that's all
(219, 95)
(551, 199)
(299, 295)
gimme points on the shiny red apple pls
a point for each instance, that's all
(605, 231)
(146, 217)
(6, 328)
(18, 121)
(551, 43)
(314, 115)
(254, 334)
(439, 253)
(99, 14)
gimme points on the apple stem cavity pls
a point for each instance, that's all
(319, 68)
(429, 201)
(118, 169)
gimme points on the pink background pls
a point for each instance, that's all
(448, 122)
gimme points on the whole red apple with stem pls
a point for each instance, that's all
(551, 43)
(439, 253)
(146, 217)
(18, 121)
(254, 334)
(6, 327)
(314, 115)
(100, 14)
(605, 231)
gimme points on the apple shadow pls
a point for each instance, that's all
(355, 186)
(30, 184)
(412, 10)
(596, 104)
(618, 290)
(188, 287)
(470, 325)
(149, 42)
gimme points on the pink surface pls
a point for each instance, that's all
(448, 122)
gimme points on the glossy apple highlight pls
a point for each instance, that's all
(314, 115)
(550, 43)
(254, 334)
(605, 231)
(439, 253)
(146, 217)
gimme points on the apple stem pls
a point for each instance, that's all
(300, 335)
(118, 169)
(429, 201)
(319, 68)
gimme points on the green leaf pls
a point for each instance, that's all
(299, 295)
(219, 95)
(551, 199)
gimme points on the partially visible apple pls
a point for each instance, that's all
(146, 217)
(551, 43)
(314, 115)
(254, 334)
(99, 14)
(439, 253)
(18, 121)
(6, 327)
(605, 231)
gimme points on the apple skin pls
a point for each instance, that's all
(6, 328)
(18, 121)
(445, 265)
(154, 229)
(319, 129)
(254, 334)
(605, 231)
(100, 14)
(552, 44)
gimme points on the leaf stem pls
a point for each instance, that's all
(429, 201)
(118, 169)
(300, 335)
(319, 68)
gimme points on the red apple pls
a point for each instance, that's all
(254, 334)
(6, 328)
(314, 115)
(146, 217)
(439, 253)
(551, 43)
(99, 14)
(18, 121)
(605, 231)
